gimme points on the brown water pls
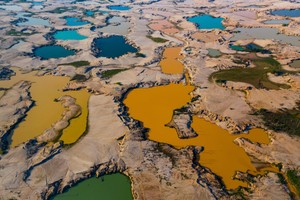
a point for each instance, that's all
(170, 63)
(154, 107)
(78, 125)
(44, 90)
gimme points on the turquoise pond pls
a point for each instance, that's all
(112, 47)
(119, 7)
(75, 21)
(37, 3)
(204, 21)
(68, 35)
(52, 51)
(286, 13)
(110, 187)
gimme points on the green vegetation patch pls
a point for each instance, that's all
(140, 55)
(294, 179)
(110, 73)
(79, 78)
(157, 39)
(14, 32)
(77, 63)
(286, 121)
(256, 76)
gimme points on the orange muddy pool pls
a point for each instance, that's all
(170, 63)
(154, 107)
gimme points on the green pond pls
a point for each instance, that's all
(110, 187)
(295, 64)
(214, 53)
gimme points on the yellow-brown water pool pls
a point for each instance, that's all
(170, 63)
(44, 90)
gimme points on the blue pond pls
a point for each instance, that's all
(89, 13)
(52, 51)
(207, 22)
(112, 47)
(68, 35)
(37, 3)
(31, 21)
(287, 13)
(118, 7)
(75, 21)
(277, 21)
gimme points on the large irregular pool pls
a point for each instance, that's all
(112, 47)
(264, 33)
(204, 21)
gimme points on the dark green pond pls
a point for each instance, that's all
(52, 51)
(112, 47)
(110, 187)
